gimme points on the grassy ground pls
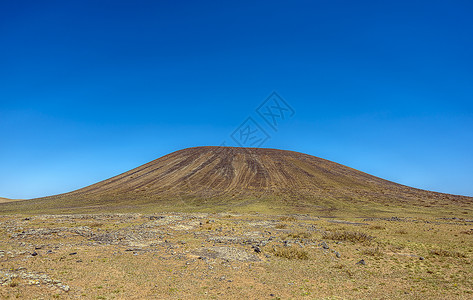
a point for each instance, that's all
(229, 255)
(271, 206)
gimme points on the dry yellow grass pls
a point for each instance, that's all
(447, 253)
(352, 236)
(289, 252)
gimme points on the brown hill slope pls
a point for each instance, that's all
(231, 178)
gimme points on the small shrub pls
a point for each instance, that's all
(352, 236)
(281, 226)
(288, 218)
(373, 252)
(13, 283)
(377, 227)
(345, 269)
(447, 253)
(290, 253)
(300, 235)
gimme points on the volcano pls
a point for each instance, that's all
(228, 178)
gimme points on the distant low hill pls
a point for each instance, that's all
(4, 200)
(241, 179)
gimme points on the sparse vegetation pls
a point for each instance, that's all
(161, 256)
(290, 252)
(280, 226)
(447, 253)
(288, 218)
(377, 227)
(300, 235)
(352, 236)
(372, 252)
(14, 282)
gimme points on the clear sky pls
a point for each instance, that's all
(90, 89)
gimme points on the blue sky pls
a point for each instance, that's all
(90, 89)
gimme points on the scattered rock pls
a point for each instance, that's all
(64, 287)
(361, 262)
(30, 278)
(324, 245)
(346, 222)
(227, 253)
(256, 248)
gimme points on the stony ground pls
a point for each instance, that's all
(228, 256)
